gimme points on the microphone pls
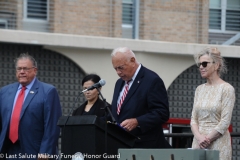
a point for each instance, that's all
(96, 85)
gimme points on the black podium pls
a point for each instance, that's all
(86, 134)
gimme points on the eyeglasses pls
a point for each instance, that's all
(25, 69)
(204, 64)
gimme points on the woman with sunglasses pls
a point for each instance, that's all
(93, 104)
(213, 105)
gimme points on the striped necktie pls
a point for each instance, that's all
(126, 88)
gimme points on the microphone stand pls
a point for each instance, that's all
(107, 111)
(72, 108)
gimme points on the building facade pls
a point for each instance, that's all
(71, 38)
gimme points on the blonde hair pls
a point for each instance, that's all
(215, 55)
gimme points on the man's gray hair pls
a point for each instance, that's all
(123, 50)
(26, 56)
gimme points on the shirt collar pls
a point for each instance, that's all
(136, 72)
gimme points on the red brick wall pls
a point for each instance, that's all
(174, 20)
(84, 17)
(161, 20)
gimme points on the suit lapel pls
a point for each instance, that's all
(32, 92)
(12, 93)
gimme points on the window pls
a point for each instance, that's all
(233, 15)
(36, 15)
(130, 16)
(224, 15)
(215, 14)
(127, 12)
(3, 24)
(36, 10)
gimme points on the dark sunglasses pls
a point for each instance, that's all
(204, 64)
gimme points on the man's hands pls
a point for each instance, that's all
(129, 124)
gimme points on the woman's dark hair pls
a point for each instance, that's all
(91, 77)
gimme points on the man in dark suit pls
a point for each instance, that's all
(145, 106)
(36, 134)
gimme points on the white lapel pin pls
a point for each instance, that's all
(31, 92)
(138, 81)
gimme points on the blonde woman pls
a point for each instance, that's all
(213, 105)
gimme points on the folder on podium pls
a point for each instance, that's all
(87, 134)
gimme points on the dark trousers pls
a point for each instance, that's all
(15, 152)
(11, 151)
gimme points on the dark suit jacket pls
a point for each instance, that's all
(38, 130)
(146, 101)
(97, 109)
